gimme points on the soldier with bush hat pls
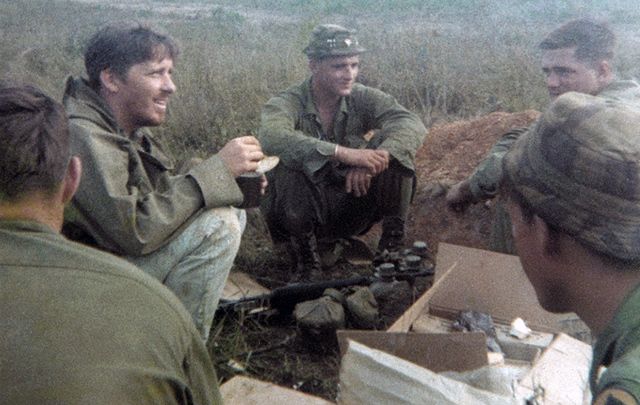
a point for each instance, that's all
(572, 189)
(346, 151)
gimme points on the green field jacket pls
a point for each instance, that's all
(291, 129)
(131, 200)
(80, 326)
(618, 349)
(485, 180)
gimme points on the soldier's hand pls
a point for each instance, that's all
(358, 181)
(241, 155)
(374, 160)
(459, 196)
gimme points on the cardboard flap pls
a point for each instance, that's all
(241, 390)
(240, 285)
(435, 351)
(492, 283)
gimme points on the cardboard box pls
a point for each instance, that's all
(489, 282)
(493, 283)
(558, 377)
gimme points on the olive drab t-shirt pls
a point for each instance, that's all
(79, 326)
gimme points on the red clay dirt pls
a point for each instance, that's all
(449, 154)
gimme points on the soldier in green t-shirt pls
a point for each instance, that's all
(78, 325)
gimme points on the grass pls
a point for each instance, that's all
(443, 60)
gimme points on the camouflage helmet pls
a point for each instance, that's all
(332, 40)
(579, 170)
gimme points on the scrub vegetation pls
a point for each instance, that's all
(444, 60)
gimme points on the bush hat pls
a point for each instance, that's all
(579, 170)
(332, 40)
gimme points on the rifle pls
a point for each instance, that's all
(284, 299)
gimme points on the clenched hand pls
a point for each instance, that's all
(241, 155)
(375, 161)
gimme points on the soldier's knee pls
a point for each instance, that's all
(297, 221)
(226, 224)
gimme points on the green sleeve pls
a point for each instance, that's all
(485, 180)
(278, 135)
(403, 131)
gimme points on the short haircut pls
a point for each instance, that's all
(118, 47)
(34, 142)
(593, 40)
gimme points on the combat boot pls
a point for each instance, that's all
(392, 238)
(304, 251)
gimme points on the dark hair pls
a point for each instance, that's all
(118, 47)
(34, 141)
(593, 40)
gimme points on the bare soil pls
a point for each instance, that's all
(272, 348)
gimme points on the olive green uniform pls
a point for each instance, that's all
(618, 349)
(132, 201)
(79, 326)
(307, 189)
(485, 180)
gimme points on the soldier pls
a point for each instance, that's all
(178, 226)
(577, 56)
(78, 325)
(346, 153)
(572, 189)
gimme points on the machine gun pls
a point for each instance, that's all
(284, 299)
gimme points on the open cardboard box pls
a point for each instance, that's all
(489, 282)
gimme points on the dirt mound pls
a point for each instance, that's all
(450, 154)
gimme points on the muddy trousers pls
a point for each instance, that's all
(297, 205)
(195, 264)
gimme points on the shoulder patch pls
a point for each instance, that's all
(615, 396)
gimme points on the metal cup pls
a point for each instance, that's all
(251, 185)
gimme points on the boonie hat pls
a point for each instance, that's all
(332, 40)
(579, 169)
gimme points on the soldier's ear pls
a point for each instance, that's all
(605, 72)
(109, 80)
(71, 179)
(547, 238)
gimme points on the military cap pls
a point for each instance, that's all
(332, 40)
(579, 170)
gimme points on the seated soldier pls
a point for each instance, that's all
(572, 185)
(577, 56)
(133, 202)
(346, 154)
(77, 325)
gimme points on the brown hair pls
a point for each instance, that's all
(34, 141)
(118, 47)
(593, 40)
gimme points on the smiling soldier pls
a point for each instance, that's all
(346, 153)
(176, 225)
(577, 56)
